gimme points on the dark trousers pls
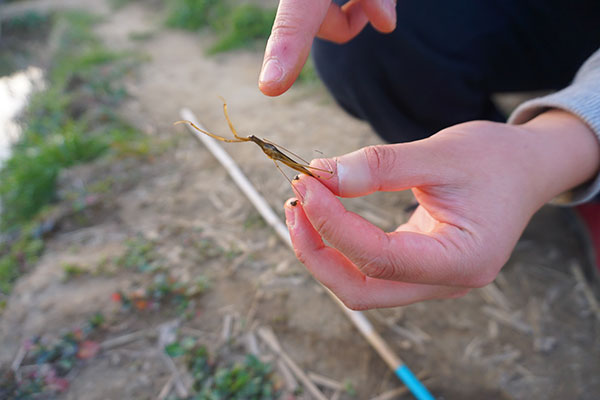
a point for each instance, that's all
(446, 58)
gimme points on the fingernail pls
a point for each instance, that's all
(290, 217)
(271, 71)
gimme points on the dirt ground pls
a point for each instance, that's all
(530, 335)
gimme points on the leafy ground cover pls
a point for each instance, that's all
(235, 25)
(70, 121)
(47, 364)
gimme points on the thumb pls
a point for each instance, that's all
(381, 168)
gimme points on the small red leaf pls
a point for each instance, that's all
(88, 349)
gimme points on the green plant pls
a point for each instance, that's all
(49, 364)
(27, 23)
(195, 14)
(116, 4)
(139, 255)
(236, 27)
(9, 271)
(28, 178)
(17, 255)
(71, 121)
(72, 271)
(219, 379)
(164, 291)
(246, 24)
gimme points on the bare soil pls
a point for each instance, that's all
(530, 336)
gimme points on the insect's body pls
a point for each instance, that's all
(276, 155)
(267, 147)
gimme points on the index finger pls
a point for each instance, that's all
(295, 27)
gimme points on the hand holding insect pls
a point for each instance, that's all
(299, 22)
(477, 185)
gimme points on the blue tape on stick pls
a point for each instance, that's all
(413, 384)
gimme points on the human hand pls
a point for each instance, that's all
(477, 185)
(298, 22)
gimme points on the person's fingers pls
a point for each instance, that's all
(298, 22)
(295, 26)
(381, 14)
(384, 167)
(337, 273)
(431, 257)
(340, 25)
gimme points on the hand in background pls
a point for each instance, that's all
(477, 185)
(299, 22)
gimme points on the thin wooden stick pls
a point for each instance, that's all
(507, 319)
(270, 340)
(166, 390)
(391, 394)
(325, 381)
(288, 377)
(175, 375)
(18, 359)
(123, 339)
(359, 320)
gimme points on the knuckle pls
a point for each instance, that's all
(287, 26)
(380, 158)
(301, 255)
(325, 226)
(379, 268)
(283, 28)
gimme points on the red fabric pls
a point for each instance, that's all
(590, 215)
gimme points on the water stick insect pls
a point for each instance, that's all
(269, 148)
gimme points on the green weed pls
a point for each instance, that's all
(246, 24)
(141, 36)
(71, 271)
(50, 363)
(71, 121)
(139, 255)
(192, 15)
(67, 123)
(17, 255)
(164, 291)
(235, 26)
(116, 4)
(219, 379)
(29, 23)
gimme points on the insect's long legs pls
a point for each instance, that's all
(212, 135)
(269, 148)
(229, 121)
(282, 173)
